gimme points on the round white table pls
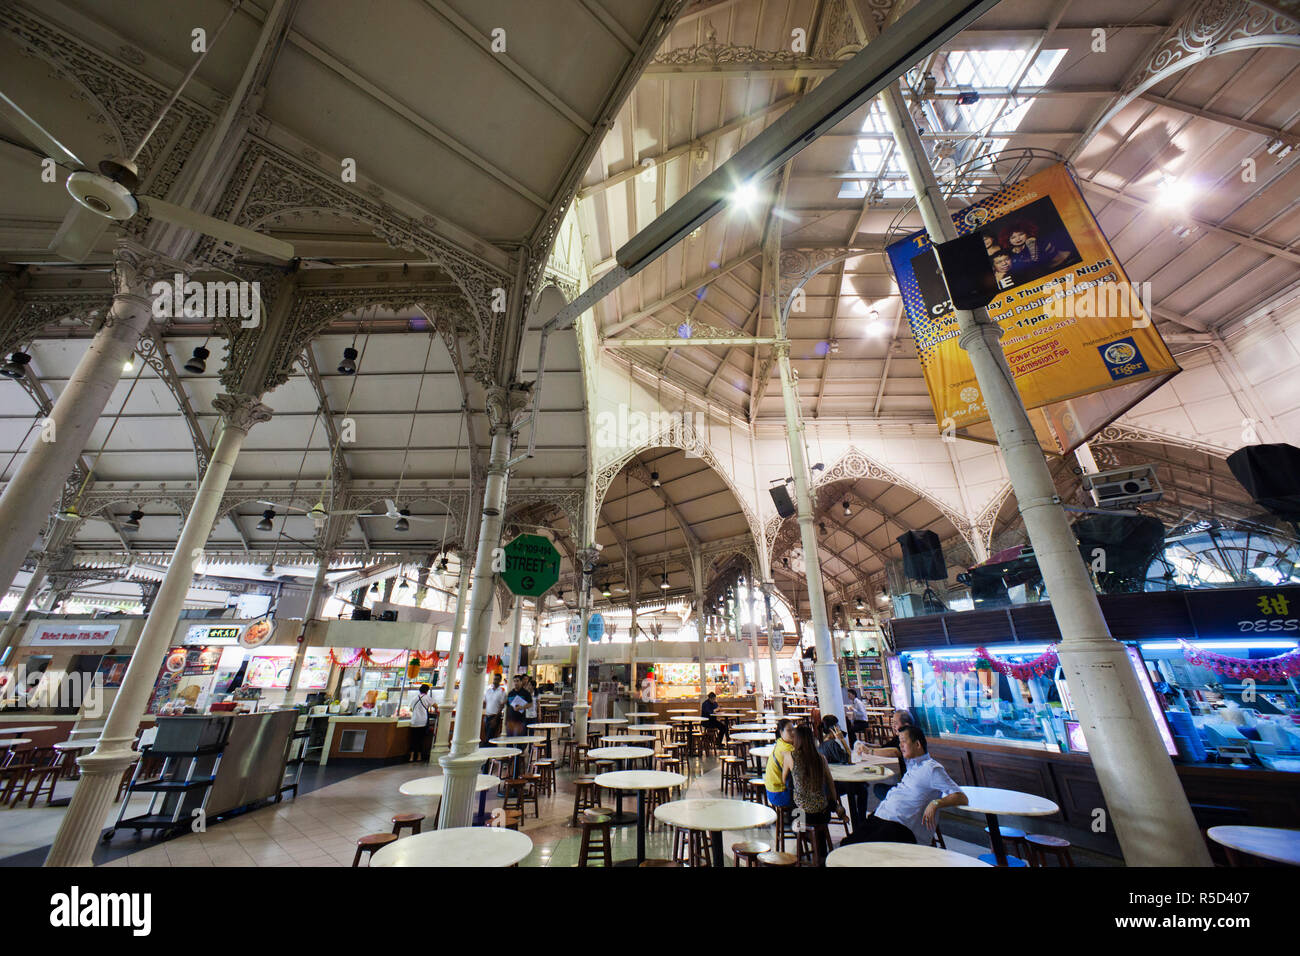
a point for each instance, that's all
(681, 710)
(640, 713)
(762, 753)
(853, 779)
(10, 742)
(484, 754)
(715, 816)
(628, 739)
(640, 781)
(897, 854)
(1270, 843)
(548, 727)
(992, 801)
(755, 736)
(638, 727)
(683, 719)
(432, 786)
(507, 741)
(5, 730)
(606, 721)
(621, 818)
(750, 727)
(458, 846)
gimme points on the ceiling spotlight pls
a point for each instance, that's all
(132, 523)
(857, 622)
(560, 596)
(663, 582)
(821, 526)
(16, 365)
(198, 361)
(1173, 192)
(654, 479)
(605, 591)
(402, 524)
(785, 562)
(968, 97)
(128, 365)
(318, 512)
(267, 517)
(374, 588)
(744, 196)
(859, 605)
(818, 467)
(349, 364)
(402, 585)
(442, 565)
(847, 510)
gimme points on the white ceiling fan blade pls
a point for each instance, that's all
(277, 507)
(225, 231)
(78, 234)
(37, 135)
(424, 517)
(391, 505)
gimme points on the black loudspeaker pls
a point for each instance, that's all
(1271, 475)
(968, 271)
(922, 556)
(361, 614)
(781, 498)
(1128, 543)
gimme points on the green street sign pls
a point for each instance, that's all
(532, 566)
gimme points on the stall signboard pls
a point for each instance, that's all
(315, 671)
(1238, 612)
(269, 672)
(257, 633)
(1073, 325)
(596, 627)
(532, 566)
(54, 634)
(112, 668)
(213, 634)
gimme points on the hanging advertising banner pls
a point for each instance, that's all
(1076, 333)
(54, 634)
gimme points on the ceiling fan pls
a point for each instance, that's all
(109, 195)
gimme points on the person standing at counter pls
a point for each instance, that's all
(517, 703)
(856, 715)
(494, 700)
(421, 725)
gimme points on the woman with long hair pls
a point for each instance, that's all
(814, 788)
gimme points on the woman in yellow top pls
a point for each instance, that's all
(774, 776)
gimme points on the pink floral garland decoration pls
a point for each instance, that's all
(1040, 666)
(1268, 669)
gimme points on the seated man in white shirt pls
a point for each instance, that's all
(907, 814)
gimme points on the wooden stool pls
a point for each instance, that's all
(578, 757)
(370, 843)
(777, 858)
(597, 824)
(732, 774)
(701, 848)
(584, 796)
(806, 844)
(403, 821)
(749, 852)
(546, 771)
(514, 819)
(521, 790)
(1040, 844)
(566, 751)
(757, 790)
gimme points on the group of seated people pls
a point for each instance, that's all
(798, 775)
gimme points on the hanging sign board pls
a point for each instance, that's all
(574, 627)
(532, 566)
(1076, 333)
(55, 634)
(595, 627)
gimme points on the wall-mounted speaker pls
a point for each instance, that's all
(922, 556)
(781, 498)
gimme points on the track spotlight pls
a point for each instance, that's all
(374, 588)
(198, 361)
(605, 591)
(349, 364)
(663, 582)
(16, 365)
(859, 605)
(654, 479)
(442, 565)
(785, 562)
(847, 510)
(267, 517)
(402, 524)
(132, 523)
(818, 467)
(402, 585)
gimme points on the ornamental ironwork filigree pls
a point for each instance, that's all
(1127, 432)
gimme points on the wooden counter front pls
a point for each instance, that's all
(367, 738)
(1218, 795)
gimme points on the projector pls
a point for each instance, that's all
(1124, 486)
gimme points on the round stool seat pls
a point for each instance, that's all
(375, 841)
(1009, 833)
(408, 817)
(595, 819)
(1043, 839)
(777, 858)
(659, 863)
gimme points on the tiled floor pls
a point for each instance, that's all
(319, 828)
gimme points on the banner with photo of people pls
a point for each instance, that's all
(1076, 333)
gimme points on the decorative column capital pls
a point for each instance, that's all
(136, 268)
(241, 410)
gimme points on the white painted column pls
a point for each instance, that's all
(9, 635)
(35, 487)
(101, 770)
(514, 641)
(458, 766)
(581, 708)
(829, 696)
(447, 706)
(753, 644)
(315, 600)
(1146, 801)
(777, 702)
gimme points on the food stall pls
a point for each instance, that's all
(1218, 670)
(60, 664)
(210, 660)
